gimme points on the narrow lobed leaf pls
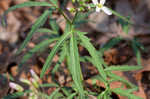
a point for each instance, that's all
(98, 62)
(71, 96)
(123, 68)
(137, 52)
(54, 93)
(121, 17)
(53, 52)
(46, 30)
(55, 2)
(16, 95)
(75, 66)
(49, 85)
(25, 4)
(125, 93)
(118, 78)
(39, 22)
(110, 44)
(36, 49)
(61, 58)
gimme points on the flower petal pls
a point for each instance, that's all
(102, 2)
(95, 2)
(106, 10)
(98, 9)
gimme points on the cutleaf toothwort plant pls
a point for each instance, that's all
(67, 47)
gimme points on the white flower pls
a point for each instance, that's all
(100, 6)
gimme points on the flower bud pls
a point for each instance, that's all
(34, 75)
(33, 96)
(16, 86)
(72, 10)
(25, 81)
(35, 83)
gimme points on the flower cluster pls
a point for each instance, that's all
(98, 4)
(33, 83)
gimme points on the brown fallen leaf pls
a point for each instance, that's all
(118, 55)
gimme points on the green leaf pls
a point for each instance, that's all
(67, 27)
(59, 95)
(53, 52)
(66, 91)
(54, 25)
(137, 52)
(55, 2)
(61, 58)
(121, 17)
(86, 59)
(94, 54)
(125, 93)
(54, 93)
(8, 76)
(110, 44)
(39, 22)
(125, 25)
(25, 4)
(42, 95)
(46, 30)
(132, 90)
(123, 68)
(97, 77)
(141, 46)
(49, 85)
(35, 49)
(52, 21)
(77, 31)
(104, 95)
(68, 55)
(72, 95)
(16, 95)
(118, 78)
(75, 66)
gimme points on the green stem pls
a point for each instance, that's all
(74, 17)
(67, 19)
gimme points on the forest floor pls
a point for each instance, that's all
(103, 30)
